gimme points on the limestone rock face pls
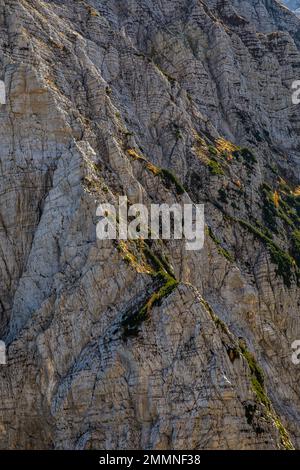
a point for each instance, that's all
(143, 344)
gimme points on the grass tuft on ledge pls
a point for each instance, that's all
(164, 283)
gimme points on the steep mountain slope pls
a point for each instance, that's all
(101, 96)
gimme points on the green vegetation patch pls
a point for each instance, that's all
(257, 377)
(217, 320)
(212, 150)
(222, 195)
(222, 251)
(283, 205)
(286, 265)
(257, 383)
(132, 323)
(270, 211)
(296, 246)
(247, 155)
(171, 179)
(215, 167)
(258, 386)
(164, 284)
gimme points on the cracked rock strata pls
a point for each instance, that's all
(101, 96)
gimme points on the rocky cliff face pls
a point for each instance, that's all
(114, 344)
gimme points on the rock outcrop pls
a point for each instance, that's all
(142, 344)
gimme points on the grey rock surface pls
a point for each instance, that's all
(100, 96)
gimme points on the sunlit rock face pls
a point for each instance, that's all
(128, 344)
